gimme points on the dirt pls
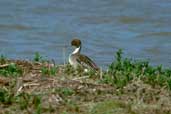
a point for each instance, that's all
(65, 93)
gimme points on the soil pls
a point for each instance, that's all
(79, 93)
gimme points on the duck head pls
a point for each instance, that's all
(77, 44)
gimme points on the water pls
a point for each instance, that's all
(141, 28)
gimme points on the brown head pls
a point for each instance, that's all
(76, 42)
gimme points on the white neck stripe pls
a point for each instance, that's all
(77, 50)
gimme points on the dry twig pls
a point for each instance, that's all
(4, 65)
(25, 85)
(79, 78)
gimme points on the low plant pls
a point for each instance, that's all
(6, 97)
(123, 70)
(65, 91)
(11, 70)
(3, 59)
(26, 101)
(51, 71)
(37, 57)
(37, 104)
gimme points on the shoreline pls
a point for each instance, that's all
(42, 87)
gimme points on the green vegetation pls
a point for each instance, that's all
(2, 59)
(6, 97)
(9, 69)
(111, 107)
(124, 70)
(23, 100)
(37, 57)
(126, 87)
(51, 71)
(65, 91)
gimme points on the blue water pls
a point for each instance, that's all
(141, 28)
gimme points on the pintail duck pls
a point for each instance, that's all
(76, 59)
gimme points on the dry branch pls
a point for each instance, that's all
(4, 65)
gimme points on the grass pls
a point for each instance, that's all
(23, 100)
(127, 87)
(11, 69)
(124, 70)
(37, 57)
(6, 97)
(111, 107)
(51, 71)
(2, 59)
(65, 91)
(46, 69)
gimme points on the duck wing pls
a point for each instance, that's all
(86, 62)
